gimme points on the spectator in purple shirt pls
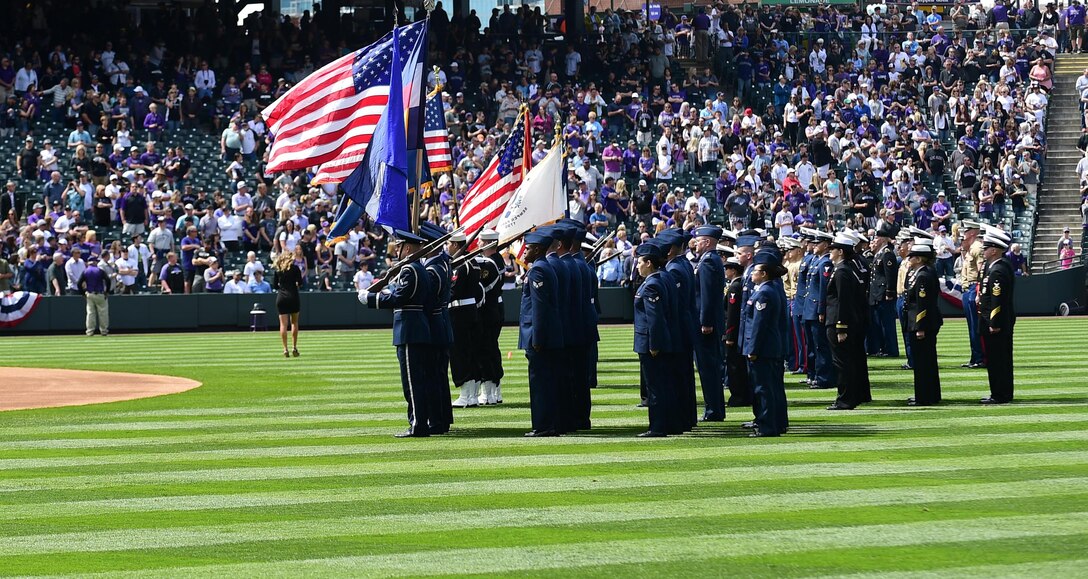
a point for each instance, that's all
(94, 285)
(154, 123)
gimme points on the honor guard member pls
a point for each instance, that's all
(491, 314)
(540, 334)
(745, 250)
(765, 343)
(652, 337)
(970, 273)
(820, 267)
(584, 320)
(861, 264)
(791, 260)
(806, 350)
(923, 322)
(570, 308)
(709, 289)
(882, 294)
(903, 244)
(674, 243)
(409, 296)
(466, 294)
(438, 268)
(736, 365)
(997, 316)
(844, 323)
(594, 308)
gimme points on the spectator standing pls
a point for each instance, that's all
(56, 276)
(236, 284)
(73, 269)
(94, 284)
(172, 276)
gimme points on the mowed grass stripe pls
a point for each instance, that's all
(801, 445)
(595, 514)
(560, 557)
(510, 465)
(1034, 570)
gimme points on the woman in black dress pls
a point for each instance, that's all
(287, 280)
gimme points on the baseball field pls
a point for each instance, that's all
(287, 467)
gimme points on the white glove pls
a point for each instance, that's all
(364, 297)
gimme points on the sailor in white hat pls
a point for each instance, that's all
(997, 315)
(845, 319)
(922, 322)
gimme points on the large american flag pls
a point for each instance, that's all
(486, 199)
(435, 137)
(327, 119)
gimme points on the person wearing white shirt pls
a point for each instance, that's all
(235, 285)
(783, 220)
(252, 266)
(230, 230)
(241, 200)
(127, 270)
(74, 268)
(697, 202)
(204, 81)
(363, 279)
(24, 78)
(141, 252)
(817, 59)
(533, 57)
(805, 172)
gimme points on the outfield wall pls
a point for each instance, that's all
(1035, 296)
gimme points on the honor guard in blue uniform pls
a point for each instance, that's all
(675, 242)
(844, 314)
(409, 296)
(492, 314)
(584, 318)
(594, 309)
(466, 295)
(822, 374)
(765, 343)
(736, 364)
(806, 352)
(882, 294)
(997, 316)
(904, 242)
(438, 268)
(540, 334)
(923, 322)
(570, 312)
(709, 289)
(652, 337)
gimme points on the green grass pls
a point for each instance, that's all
(287, 468)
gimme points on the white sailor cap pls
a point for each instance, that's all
(489, 235)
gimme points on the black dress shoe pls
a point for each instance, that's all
(839, 407)
(749, 424)
(906, 367)
(541, 433)
(758, 434)
(641, 405)
(818, 386)
(412, 434)
(798, 371)
(705, 419)
(910, 400)
(652, 434)
(967, 365)
(977, 366)
(990, 400)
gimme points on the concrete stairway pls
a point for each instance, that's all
(1059, 195)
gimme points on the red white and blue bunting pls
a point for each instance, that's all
(15, 307)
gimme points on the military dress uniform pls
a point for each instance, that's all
(822, 374)
(882, 298)
(709, 289)
(924, 316)
(904, 278)
(492, 315)
(570, 313)
(540, 335)
(765, 342)
(736, 364)
(806, 351)
(584, 320)
(683, 275)
(466, 295)
(844, 317)
(997, 317)
(438, 270)
(410, 297)
(652, 342)
(970, 274)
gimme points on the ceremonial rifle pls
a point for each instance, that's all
(415, 256)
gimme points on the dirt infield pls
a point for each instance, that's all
(23, 388)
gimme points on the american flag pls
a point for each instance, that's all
(486, 200)
(327, 119)
(435, 137)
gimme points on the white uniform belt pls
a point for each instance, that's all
(409, 309)
(464, 302)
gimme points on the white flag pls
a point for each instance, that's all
(540, 198)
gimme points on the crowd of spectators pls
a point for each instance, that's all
(765, 117)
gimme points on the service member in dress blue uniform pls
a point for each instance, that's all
(652, 337)
(585, 322)
(409, 296)
(439, 270)
(882, 295)
(540, 334)
(594, 310)
(806, 353)
(709, 289)
(736, 364)
(845, 310)
(570, 310)
(675, 244)
(903, 280)
(997, 316)
(765, 343)
(492, 315)
(466, 294)
(923, 323)
(822, 374)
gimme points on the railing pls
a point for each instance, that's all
(1060, 263)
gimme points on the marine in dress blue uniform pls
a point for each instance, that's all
(709, 289)
(409, 296)
(997, 317)
(819, 275)
(923, 323)
(653, 338)
(540, 335)
(683, 274)
(765, 343)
